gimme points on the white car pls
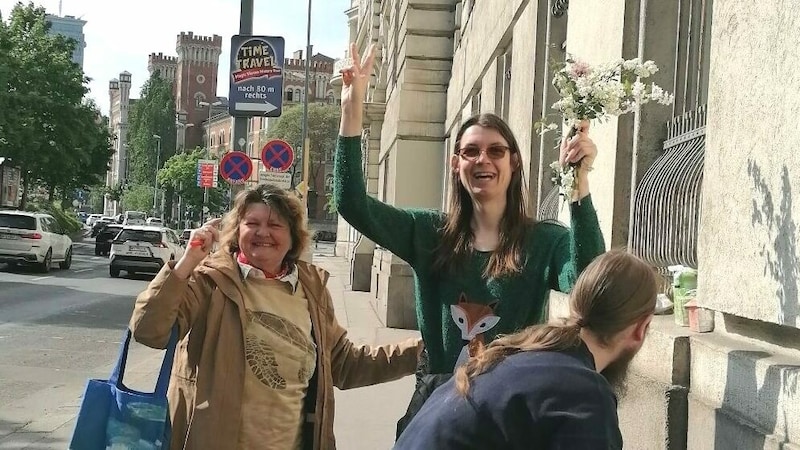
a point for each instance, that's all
(92, 218)
(142, 248)
(154, 221)
(33, 239)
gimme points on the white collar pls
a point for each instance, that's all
(291, 276)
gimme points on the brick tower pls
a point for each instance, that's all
(166, 66)
(196, 80)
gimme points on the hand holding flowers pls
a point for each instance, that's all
(588, 93)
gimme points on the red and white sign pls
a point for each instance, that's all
(207, 173)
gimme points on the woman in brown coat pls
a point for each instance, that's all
(260, 347)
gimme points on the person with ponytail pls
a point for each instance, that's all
(551, 386)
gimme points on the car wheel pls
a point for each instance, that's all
(67, 263)
(113, 271)
(44, 267)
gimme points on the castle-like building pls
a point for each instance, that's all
(194, 79)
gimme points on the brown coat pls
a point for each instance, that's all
(205, 391)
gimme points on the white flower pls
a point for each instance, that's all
(638, 90)
(631, 64)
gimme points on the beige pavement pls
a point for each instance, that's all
(366, 417)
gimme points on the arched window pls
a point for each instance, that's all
(199, 97)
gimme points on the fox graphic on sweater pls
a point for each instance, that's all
(473, 319)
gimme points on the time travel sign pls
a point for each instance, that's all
(256, 78)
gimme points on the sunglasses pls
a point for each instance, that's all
(472, 152)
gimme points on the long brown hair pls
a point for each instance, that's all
(457, 235)
(615, 291)
(286, 204)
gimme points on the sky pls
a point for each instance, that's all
(120, 34)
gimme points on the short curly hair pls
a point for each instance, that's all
(279, 200)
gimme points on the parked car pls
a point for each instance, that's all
(134, 218)
(92, 219)
(185, 234)
(155, 221)
(324, 236)
(102, 243)
(142, 248)
(99, 224)
(33, 239)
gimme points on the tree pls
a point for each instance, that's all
(153, 114)
(54, 137)
(138, 197)
(180, 174)
(323, 128)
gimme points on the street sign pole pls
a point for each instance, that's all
(240, 123)
(306, 149)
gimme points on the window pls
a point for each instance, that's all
(139, 236)
(289, 95)
(503, 93)
(199, 97)
(17, 221)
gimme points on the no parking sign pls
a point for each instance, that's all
(277, 156)
(236, 167)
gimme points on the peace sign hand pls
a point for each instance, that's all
(355, 79)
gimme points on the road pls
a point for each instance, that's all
(56, 331)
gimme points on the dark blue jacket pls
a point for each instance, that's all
(531, 400)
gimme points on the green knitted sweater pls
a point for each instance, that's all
(454, 309)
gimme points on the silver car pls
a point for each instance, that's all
(33, 239)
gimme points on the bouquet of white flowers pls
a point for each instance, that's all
(597, 92)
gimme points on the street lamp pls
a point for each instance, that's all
(181, 126)
(155, 182)
(208, 151)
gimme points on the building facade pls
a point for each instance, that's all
(119, 93)
(726, 212)
(71, 27)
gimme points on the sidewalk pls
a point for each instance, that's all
(366, 418)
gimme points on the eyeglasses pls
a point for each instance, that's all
(472, 152)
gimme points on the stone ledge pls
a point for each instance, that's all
(749, 381)
(715, 428)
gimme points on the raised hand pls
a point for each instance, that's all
(355, 79)
(579, 148)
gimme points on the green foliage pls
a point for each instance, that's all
(138, 197)
(58, 140)
(152, 114)
(323, 128)
(180, 173)
(96, 194)
(68, 221)
(330, 204)
(114, 192)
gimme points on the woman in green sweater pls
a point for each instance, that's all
(485, 267)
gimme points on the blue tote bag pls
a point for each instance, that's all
(113, 416)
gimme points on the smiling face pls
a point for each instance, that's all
(264, 237)
(485, 164)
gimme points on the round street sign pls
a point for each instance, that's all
(277, 156)
(236, 167)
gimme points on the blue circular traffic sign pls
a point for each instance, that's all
(236, 167)
(277, 155)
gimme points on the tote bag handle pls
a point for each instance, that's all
(166, 365)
